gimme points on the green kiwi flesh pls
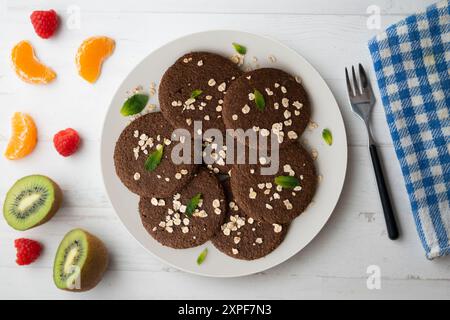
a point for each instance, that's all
(81, 260)
(31, 201)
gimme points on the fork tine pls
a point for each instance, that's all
(349, 86)
(355, 82)
(362, 77)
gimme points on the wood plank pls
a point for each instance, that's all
(357, 219)
(84, 105)
(234, 6)
(80, 175)
(175, 285)
(318, 38)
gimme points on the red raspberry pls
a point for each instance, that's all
(27, 251)
(45, 23)
(66, 142)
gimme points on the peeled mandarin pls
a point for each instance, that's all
(28, 67)
(90, 56)
(23, 138)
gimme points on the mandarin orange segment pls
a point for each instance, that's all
(90, 56)
(23, 138)
(28, 67)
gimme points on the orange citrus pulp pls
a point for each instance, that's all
(28, 67)
(90, 56)
(24, 136)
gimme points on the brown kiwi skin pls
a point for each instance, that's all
(56, 204)
(95, 265)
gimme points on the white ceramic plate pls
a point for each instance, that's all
(331, 162)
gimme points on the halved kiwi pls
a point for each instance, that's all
(80, 261)
(31, 201)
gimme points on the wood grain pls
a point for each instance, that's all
(307, 7)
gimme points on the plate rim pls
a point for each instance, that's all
(345, 151)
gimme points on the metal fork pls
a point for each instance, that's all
(362, 100)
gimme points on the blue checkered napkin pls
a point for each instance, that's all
(412, 65)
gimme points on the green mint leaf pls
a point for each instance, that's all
(193, 203)
(202, 256)
(287, 182)
(154, 159)
(327, 136)
(259, 100)
(134, 104)
(196, 93)
(239, 48)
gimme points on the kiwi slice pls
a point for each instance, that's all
(32, 201)
(80, 261)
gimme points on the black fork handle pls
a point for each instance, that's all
(391, 223)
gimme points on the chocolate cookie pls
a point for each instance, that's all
(170, 222)
(193, 89)
(277, 198)
(243, 237)
(283, 110)
(136, 144)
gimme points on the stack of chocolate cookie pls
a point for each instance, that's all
(243, 212)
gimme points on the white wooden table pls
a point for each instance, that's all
(330, 34)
